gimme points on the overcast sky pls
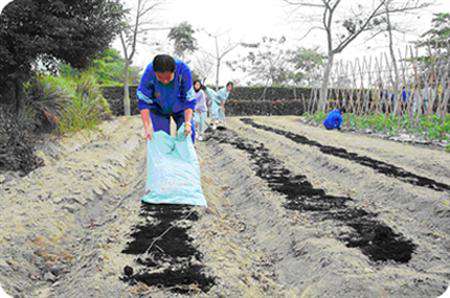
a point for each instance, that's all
(249, 20)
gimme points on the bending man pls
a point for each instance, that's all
(166, 91)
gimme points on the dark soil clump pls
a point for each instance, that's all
(167, 257)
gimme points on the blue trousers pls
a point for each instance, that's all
(200, 120)
(162, 122)
(216, 111)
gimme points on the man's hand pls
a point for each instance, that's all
(148, 133)
(187, 128)
(146, 120)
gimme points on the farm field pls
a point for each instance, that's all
(294, 210)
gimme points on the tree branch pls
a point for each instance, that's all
(229, 50)
(124, 45)
(405, 8)
(361, 29)
(302, 3)
(135, 33)
(144, 11)
(378, 32)
(310, 30)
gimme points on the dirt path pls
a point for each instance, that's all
(285, 219)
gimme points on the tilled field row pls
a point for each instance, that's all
(424, 161)
(379, 166)
(388, 250)
(166, 255)
(412, 209)
(374, 238)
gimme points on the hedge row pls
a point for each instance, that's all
(245, 100)
(264, 107)
(271, 93)
(234, 107)
(114, 95)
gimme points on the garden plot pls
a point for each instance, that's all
(394, 252)
(379, 166)
(374, 239)
(421, 160)
(285, 219)
(76, 228)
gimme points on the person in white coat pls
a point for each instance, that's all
(201, 110)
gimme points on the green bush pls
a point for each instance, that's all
(319, 117)
(46, 97)
(108, 69)
(87, 107)
(67, 103)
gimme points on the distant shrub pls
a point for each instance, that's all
(87, 106)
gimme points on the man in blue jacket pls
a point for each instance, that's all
(334, 119)
(166, 91)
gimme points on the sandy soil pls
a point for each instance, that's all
(285, 219)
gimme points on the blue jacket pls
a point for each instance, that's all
(333, 120)
(173, 98)
(405, 95)
(217, 96)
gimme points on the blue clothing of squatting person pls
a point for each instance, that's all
(334, 119)
(166, 91)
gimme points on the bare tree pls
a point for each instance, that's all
(202, 65)
(135, 29)
(220, 52)
(340, 29)
(266, 62)
(392, 9)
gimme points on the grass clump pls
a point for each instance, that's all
(87, 107)
(67, 103)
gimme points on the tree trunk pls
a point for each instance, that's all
(217, 73)
(126, 90)
(19, 94)
(325, 82)
(395, 81)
